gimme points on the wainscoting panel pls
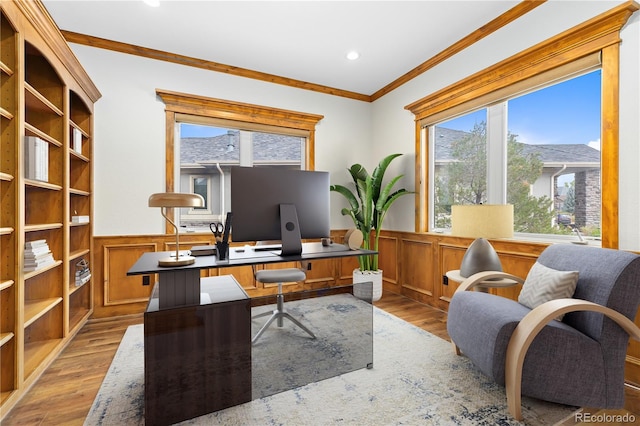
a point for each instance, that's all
(118, 287)
(389, 261)
(418, 269)
(413, 264)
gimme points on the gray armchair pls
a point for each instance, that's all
(578, 360)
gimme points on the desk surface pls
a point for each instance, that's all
(148, 262)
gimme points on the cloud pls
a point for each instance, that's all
(594, 144)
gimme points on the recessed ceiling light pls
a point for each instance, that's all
(353, 55)
(152, 3)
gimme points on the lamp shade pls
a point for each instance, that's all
(482, 220)
(175, 199)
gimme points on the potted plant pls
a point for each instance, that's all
(368, 206)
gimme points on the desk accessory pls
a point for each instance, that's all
(207, 250)
(222, 244)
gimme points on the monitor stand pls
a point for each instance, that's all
(290, 231)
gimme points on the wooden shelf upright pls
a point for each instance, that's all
(45, 94)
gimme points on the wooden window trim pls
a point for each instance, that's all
(178, 105)
(599, 34)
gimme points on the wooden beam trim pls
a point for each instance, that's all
(610, 155)
(588, 37)
(87, 40)
(237, 111)
(506, 18)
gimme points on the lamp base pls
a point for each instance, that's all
(183, 260)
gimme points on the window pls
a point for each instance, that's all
(547, 163)
(206, 136)
(583, 48)
(207, 154)
(200, 185)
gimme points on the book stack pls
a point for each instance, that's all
(83, 273)
(37, 255)
(36, 158)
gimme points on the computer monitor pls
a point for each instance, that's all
(273, 203)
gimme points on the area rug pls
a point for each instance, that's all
(416, 379)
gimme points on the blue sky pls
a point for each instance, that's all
(194, 130)
(568, 112)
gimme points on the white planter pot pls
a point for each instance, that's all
(374, 277)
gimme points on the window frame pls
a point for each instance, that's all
(212, 111)
(599, 35)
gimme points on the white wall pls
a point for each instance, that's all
(130, 131)
(129, 120)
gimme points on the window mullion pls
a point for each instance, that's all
(497, 153)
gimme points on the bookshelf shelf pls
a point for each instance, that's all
(42, 227)
(36, 353)
(42, 185)
(34, 131)
(5, 338)
(6, 114)
(47, 100)
(38, 102)
(78, 254)
(74, 191)
(5, 68)
(31, 274)
(35, 309)
(5, 284)
(78, 157)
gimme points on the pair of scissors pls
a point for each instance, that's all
(218, 229)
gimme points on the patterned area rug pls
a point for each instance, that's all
(416, 379)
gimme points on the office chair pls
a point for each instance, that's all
(279, 276)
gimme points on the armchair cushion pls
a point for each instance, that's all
(572, 365)
(543, 284)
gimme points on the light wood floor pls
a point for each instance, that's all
(64, 393)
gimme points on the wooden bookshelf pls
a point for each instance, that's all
(45, 94)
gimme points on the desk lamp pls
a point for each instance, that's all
(481, 221)
(166, 200)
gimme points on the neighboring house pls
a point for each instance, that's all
(205, 167)
(558, 160)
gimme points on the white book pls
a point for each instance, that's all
(77, 140)
(44, 262)
(44, 160)
(36, 256)
(30, 156)
(32, 267)
(80, 219)
(36, 243)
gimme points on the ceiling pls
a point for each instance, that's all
(302, 40)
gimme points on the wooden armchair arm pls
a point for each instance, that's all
(528, 329)
(480, 278)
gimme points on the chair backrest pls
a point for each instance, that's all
(608, 277)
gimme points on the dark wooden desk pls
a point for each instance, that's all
(180, 286)
(197, 332)
(197, 359)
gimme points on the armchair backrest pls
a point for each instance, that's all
(608, 277)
